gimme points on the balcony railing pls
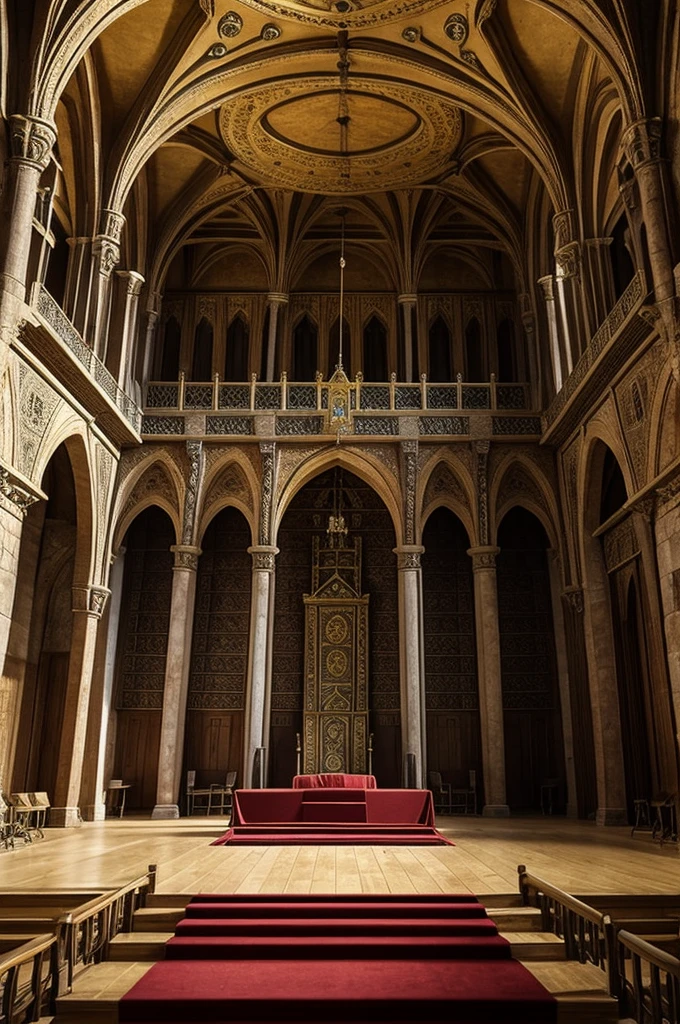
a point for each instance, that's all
(302, 409)
(51, 312)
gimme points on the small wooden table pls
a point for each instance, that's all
(120, 789)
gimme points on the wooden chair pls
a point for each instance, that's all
(203, 792)
(441, 792)
(221, 797)
(41, 803)
(464, 801)
(23, 816)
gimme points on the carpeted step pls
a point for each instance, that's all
(328, 990)
(321, 908)
(360, 947)
(312, 838)
(323, 926)
(335, 899)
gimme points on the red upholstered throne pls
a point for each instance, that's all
(336, 780)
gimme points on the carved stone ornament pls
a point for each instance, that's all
(14, 497)
(186, 556)
(408, 559)
(642, 141)
(268, 455)
(32, 140)
(483, 558)
(482, 449)
(568, 260)
(107, 252)
(230, 25)
(339, 13)
(264, 559)
(563, 228)
(410, 455)
(457, 29)
(485, 11)
(90, 599)
(195, 453)
(573, 596)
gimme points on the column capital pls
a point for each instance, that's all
(90, 600)
(594, 243)
(135, 281)
(484, 557)
(547, 285)
(32, 140)
(14, 496)
(407, 299)
(641, 141)
(277, 298)
(264, 557)
(574, 598)
(186, 557)
(568, 260)
(408, 556)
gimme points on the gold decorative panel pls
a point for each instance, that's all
(336, 650)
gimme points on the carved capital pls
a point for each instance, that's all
(13, 497)
(573, 596)
(107, 253)
(568, 260)
(277, 299)
(186, 557)
(264, 557)
(483, 558)
(134, 282)
(32, 140)
(91, 600)
(408, 556)
(642, 141)
(563, 228)
(547, 286)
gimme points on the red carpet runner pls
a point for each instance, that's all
(337, 958)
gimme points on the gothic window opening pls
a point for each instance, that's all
(623, 267)
(172, 337)
(305, 350)
(474, 357)
(375, 350)
(507, 352)
(201, 364)
(440, 370)
(236, 360)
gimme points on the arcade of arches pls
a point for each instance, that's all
(430, 526)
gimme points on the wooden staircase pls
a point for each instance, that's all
(579, 988)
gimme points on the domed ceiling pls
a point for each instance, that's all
(387, 136)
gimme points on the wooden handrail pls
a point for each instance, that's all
(22, 954)
(651, 954)
(28, 1001)
(110, 896)
(564, 898)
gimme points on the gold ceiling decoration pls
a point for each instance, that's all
(344, 13)
(288, 134)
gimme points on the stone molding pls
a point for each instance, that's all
(90, 599)
(264, 557)
(32, 140)
(484, 558)
(186, 557)
(408, 556)
(13, 497)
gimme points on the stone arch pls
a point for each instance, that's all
(229, 486)
(445, 482)
(144, 487)
(664, 416)
(518, 483)
(599, 437)
(366, 467)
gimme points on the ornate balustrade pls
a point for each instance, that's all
(302, 409)
(648, 981)
(611, 345)
(95, 387)
(29, 980)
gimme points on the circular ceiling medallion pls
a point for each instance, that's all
(393, 135)
(344, 13)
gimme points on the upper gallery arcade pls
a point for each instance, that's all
(491, 477)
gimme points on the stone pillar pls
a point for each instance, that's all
(149, 346)
(94, 785)
(490, 681)
(124, 371)
(642, 145)
(547, 285)
(78, 283)
(274, 302)
(599, 278)
(569, 281)
(32, 141)
(667, 538)
(177, 662)
(604, 699)
(106, 256)
(411, 656)
(563, 679)
(408, 304)
(88, 606)
(259, 654)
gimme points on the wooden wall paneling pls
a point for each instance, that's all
(137, 748)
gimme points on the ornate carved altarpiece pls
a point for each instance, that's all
(335, 727)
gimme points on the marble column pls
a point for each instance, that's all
(94, 786)
(274, 302)
(411, 656)
(547, 285)
(148, 369)
(490, 680)
(124, 371)
(259, 654)
(408, 304)
(177, 662)
(88, 606)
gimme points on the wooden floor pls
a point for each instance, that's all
(576, 856)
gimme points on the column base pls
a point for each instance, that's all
(65, 817)
(612, 816)
(165, 811)
(94, 812)
(496, 811)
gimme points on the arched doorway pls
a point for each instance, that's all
(219, 655)
(451, 687)
(142, 647)
(368, 520)
(42, 625)
(534, 748)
